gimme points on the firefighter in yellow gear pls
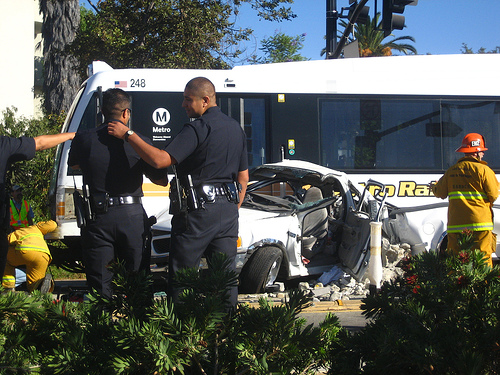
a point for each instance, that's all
(471, 188)
(27, 247)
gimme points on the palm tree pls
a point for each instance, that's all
(61, 81)
(370, 37)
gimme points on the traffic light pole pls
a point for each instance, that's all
(331, 28)
(348, 29)
(333, 48)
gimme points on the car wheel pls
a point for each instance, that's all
(261, 270)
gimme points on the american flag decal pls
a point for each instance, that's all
(120, 83)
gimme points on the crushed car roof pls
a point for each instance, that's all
(298, 169)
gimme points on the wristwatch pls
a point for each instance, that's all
(128, 134)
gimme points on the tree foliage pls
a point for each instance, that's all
(280, 48)
(167, 33)
(466, 50)
(132, 334)
(371, 39)
(441, 317)
(61, 81)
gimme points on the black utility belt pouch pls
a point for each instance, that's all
(232, 192)
(178, 199)
(100, 202)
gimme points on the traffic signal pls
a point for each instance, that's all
(392, 21)
(362, 14)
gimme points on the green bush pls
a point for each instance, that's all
(131, 333)
(441, 317)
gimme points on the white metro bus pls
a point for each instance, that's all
(397, 120)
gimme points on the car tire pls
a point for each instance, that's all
(261, 270)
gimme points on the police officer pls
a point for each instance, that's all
(116, 223)
(210, 156)
(11, 151)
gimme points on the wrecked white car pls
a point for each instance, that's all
(298, 219)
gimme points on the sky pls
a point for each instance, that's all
(438, 26)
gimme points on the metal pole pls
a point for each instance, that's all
(348, 29)
(331, 27)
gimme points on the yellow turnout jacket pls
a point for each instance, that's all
(471, 187)
(31, 238)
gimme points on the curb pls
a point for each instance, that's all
(317, 306)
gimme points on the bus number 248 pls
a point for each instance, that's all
(138, 83)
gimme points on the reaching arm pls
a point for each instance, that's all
(43, 142)
(243, 180)
(153, 156)
(161, 182)
(440, 188)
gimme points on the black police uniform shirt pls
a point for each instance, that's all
(11, 151)
(211, 148)
(110, 165)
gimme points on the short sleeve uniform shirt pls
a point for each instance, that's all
(211, 148)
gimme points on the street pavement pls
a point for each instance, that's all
(348, 311)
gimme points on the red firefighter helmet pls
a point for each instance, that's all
(472, 142)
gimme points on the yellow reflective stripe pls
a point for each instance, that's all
(36, 248)
(23, 247)
(467, 195)
(39, 235)
(8, 279)
(474, 227)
